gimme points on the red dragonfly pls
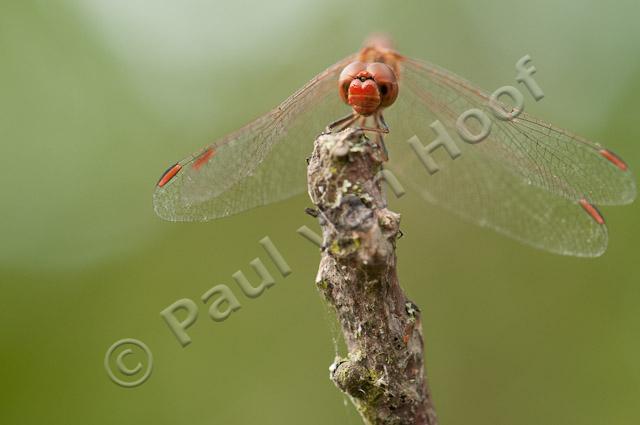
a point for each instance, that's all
(528, 179)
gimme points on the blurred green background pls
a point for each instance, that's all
(97, 97)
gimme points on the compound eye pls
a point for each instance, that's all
(346, 76)
(387, 82)
(388, 93)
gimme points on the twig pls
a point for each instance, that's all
(383, 373)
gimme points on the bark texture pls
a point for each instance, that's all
(383, 373)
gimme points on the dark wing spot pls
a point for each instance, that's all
(169, 174)
(591, 210)
(614, 159)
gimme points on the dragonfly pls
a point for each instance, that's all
(528, 180)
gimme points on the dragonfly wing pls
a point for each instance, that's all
(261, 163)
(526, 179)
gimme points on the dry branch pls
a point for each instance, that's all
(383, 373)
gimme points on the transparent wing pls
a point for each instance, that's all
(529, 180)
(261, 163)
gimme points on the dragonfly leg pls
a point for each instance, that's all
(383, 123)
(380, 125)
(379, 129)
(342, 123)
(382, 129)
(383, 148)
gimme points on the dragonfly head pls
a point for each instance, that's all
(367, 87)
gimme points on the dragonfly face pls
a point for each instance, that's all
(368, 87)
